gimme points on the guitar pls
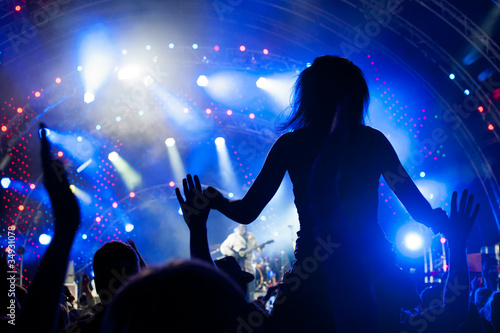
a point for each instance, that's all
(241, 254)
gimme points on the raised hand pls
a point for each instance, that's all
(85, 281)
(195, 210)
(461, 220)
(196, 207)
(64, 202)
(141, 260)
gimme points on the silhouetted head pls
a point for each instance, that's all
(114, 263)
(492, 310)
(320, 88)
(481, 296)
(183, 296)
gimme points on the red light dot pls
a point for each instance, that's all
(251, 115)
(242, 48)
(265, 51)
(19, 110)
(58, 80)
(60, 154)
(132, 194)
(171, 184)
(4, 128)
(98, 219)
(32, 186)
(208, 111)
(216, 48)
(37, 94)
(480, 109)
(114, 205)
(229, 112)
(17, 8)
(21, 207)
(491, 127)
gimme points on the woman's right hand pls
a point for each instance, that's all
(215, 197)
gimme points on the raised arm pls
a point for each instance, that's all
(248, 208)
(405, 189)
(41, 308)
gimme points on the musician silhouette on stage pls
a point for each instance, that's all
(241, 244)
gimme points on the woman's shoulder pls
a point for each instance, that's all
(372, 133)
(294, 135)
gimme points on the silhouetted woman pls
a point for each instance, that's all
(321, 90)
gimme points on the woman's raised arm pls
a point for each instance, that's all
(248, 208)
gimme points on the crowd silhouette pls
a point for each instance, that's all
(344, 277)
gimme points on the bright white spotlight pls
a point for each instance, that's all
(44, 239)
(129, 72)
(96, 56)
(84, 236)
(129, 227)
(180, 211)
(113, 156)
(88, 97)
(5, 182)
(219, 141)
(413, 241)
(262, 83)
(148, 81)
(170, 142)
(202, 81)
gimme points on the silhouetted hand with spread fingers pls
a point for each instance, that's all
(195, 210)
(461, 219)
(196, 207)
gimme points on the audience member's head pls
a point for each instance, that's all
(230, 266)
(481, 296)
(492, 310)
(114, 263)
(183, 296)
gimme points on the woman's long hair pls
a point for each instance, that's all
(320, 88)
